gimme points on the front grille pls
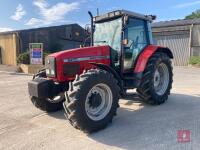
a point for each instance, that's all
(50, 65)
(71, 69)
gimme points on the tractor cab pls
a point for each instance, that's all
(127, 34)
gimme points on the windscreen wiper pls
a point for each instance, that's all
(100, 42)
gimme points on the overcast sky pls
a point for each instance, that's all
(24, 14)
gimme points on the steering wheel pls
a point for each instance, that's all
(135, 43)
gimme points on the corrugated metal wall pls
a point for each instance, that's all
(179, 43)
(53, 38)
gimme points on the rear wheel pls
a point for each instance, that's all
(157, 79)
(92, 100)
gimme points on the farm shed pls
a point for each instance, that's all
(181, 36)
(56, 38)
(8, 48)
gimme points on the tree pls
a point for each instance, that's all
(194, 15)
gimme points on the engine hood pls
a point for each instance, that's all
(82, 52)
(69, 63)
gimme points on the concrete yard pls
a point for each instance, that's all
(137, 125)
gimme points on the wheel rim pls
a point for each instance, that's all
(98, 102)
(161, 79)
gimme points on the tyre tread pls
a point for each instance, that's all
(144, 90)
(70, 104)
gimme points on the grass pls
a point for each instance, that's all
(195, 60)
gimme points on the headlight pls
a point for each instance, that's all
(47, 71)
(53, 72)
(50, 65)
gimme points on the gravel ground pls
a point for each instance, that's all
(137, 126)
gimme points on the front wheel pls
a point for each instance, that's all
(92, 101)
(47, 104)
(52, 104)
(157, 79)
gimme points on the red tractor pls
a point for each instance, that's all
(89, 81)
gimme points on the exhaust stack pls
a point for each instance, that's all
(92, 28)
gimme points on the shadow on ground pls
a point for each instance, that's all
(149, 126)
(58, 115)
(21, 74)
(132, 98)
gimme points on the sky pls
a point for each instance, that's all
(25, 14)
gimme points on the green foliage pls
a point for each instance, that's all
(194, 15)
(195, 60)
(24, 58)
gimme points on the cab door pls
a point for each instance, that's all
(136, 35)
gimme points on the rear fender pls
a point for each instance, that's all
(147, 53)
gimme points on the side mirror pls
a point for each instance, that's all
(125, 42)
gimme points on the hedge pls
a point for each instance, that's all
(24, 58)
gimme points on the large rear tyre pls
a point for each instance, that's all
(157, 80)
(92, 100)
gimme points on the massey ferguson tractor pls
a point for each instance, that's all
(89, 81)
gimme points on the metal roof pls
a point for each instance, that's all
(36, 29)
(119, 13)
(173, 23)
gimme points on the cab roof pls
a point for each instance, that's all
(119, 13)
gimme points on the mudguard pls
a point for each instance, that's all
(111, 70)
(147, 53)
